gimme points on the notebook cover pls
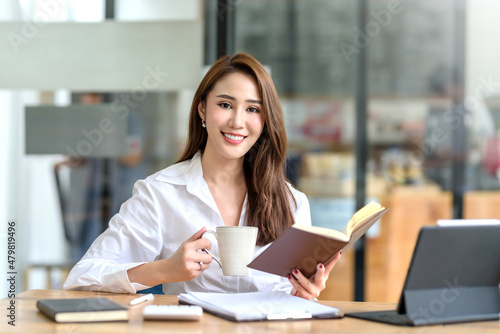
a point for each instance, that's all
(82, 310)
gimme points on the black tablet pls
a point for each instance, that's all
(454, 276)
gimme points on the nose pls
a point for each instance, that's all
(237, 118)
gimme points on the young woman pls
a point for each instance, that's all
(231, 173)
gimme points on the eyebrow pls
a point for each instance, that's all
(234, 99)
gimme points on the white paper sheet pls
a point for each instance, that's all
(253, 306)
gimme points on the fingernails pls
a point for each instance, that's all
(340, 252)
(320, 266)
(289, 277)
(295, 271)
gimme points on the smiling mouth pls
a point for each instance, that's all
(233, 137)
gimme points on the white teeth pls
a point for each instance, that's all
(233, 137)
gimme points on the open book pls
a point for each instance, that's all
(303, 247)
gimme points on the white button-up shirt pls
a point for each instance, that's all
(166, 209)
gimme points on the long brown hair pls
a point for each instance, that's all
(268, 198)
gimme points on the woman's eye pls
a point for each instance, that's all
(252, 109)
(225, 105)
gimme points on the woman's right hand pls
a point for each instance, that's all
(184, 265)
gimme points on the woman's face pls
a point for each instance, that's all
(233, 116)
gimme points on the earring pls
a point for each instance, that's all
(203, 125)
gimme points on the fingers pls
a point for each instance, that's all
(196, 264)
(332, 262)
(321, 276)
(200, 263)
(197, 242)
(203, 257)
(193, 255)
(311, 288)
(198, 234)
(303, 286)
(201, 244)
(323, 272)
(188, 261)
(199, 266)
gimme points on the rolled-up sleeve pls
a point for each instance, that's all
(133, 238)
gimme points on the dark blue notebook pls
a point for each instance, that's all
(82, 310)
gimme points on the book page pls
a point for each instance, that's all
(327, 232)
(362, 216)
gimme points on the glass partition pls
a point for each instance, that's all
(301, 43)
(413, 72)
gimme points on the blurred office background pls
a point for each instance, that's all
(420, 78)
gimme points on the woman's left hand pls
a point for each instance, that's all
(311, 288)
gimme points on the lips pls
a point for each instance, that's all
(233, 138)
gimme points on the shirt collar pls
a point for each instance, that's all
(189, 173)
(183, 173)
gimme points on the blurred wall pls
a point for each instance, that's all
(482, 48)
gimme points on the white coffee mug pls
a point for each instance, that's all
(236, 247)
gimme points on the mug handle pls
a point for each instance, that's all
(206, 250)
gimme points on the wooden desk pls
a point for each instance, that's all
(29, 320)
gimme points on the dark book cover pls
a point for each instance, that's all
(82, 310)
(303, 247)
(297, 249)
